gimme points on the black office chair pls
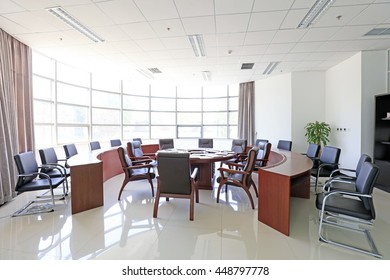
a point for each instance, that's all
(50, 160)
(134, 150)
(260, 141)
(350, 209)
(135, 170)
(138, 139)
(313, 151)
(239, 148)
(70, 150)
(94, 145)
(347, 180)
(175, 179)
(284, 145)
(240, 176)
(30, 178)
(115, 143)
(326, 164)
(166, 144)
(206, 143)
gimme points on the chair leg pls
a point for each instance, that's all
(156, 202)
(219, 190)
(192, 207)
(121, 190)
(151, 185)
(254, 186)
(250, 196)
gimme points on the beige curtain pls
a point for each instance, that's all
(246, 112)
(16, 115)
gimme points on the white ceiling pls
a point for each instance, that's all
(142, 34)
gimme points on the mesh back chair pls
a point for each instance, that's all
(115, 142)
(138, 139)
(49, 161)
(284, 145)
(326, 164)
(31, 178)
(206, 143)
(94, 145)
(166, 144)
(350, 209)
(241, 176)
(135, 170)
(175, 179)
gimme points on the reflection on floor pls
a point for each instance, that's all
(126, 230)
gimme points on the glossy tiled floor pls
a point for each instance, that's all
(126, 230)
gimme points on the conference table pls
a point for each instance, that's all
(204, 159)
(287, 175)
(90, 170)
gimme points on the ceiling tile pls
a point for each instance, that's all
(231, 39)
(259, 37)
(121, 11)
(34, 22)
(254, 49)
(349, 2)
(266, 20)
(303, 4)
(319, 34)
(89, 15)
(140, 30)
(232, 23)
(351, 32)
(287, 36)
(33, 5)
(168, 28)
(111, 33)
(157, 10)
(374, 14)
(279, 48)
(346, 14)
(231, 7)
(193, 8)
(7, 6)
(274, 5)
(150, 44)
(306, 47)
(174, 43)
(199, 25)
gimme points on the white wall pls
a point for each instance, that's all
(308, 105)
(373, 82)
(343, 108)
(273, 108)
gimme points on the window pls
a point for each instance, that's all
(75, 106)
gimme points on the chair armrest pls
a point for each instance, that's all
(232, 171)
(141, 161)
(57, 166)
(194, 173)
(139, 166)
(322, 165)
(342, 169)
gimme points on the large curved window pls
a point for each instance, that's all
(75, 106)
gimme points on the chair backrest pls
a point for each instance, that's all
(365, 183)
(363, 158)
(260, 141)
(138, 139)
(239, 145)
(26, 164)
(135, 149)
(125, 161)
(48, 155)
(313, 150)
(330, 155)
(94, 145)
(285, 145)
(263, 153)
(251, 161)
(205, 143)
(174, 171)
(70, 150)
(166, 144)
(115, 142)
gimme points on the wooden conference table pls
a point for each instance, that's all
(287, 175)
(90, 170)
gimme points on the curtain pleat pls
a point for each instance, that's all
(16, 114)
(246, 112)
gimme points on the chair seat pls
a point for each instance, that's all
(41, 184)
(344, 206)
(57, 173)
(141, 172)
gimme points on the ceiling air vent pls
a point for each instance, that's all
(247, 66)
(378, 32)
(154, 70)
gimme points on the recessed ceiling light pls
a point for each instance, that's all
(271, 66)
(197, 44)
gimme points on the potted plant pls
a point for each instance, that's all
(317, 133)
